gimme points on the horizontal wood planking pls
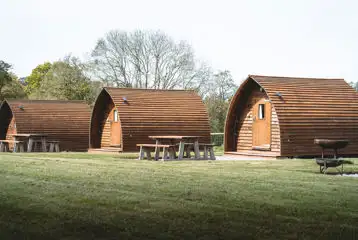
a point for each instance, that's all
(66, 121)
(244, 130)
(152, 112)
(313, 108)
(309, 108)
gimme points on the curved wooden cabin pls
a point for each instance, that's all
(65, 121)
(281, 116)
(124, 117)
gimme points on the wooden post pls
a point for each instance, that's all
(165, 153)
(6, 147)
(212, 155)
(157, 150)
(21, 147)
(57, 147)
(188, 150)
(205, 152)
(52, 147)
(30, 144)
(43, 141)
(141, 153)
(149, 156)
(15, 147)
(196, 149)
(171, 153)
(181, 150)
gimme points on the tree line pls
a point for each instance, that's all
(138, 59)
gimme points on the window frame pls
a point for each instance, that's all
(261, 112)
(115, 115)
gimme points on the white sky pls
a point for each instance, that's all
(303, 38)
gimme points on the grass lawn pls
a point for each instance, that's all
(82, 196)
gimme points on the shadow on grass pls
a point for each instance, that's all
(272, 223)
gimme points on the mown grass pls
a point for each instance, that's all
(83, 196)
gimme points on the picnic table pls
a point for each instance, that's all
(31, 138)
(182, 141)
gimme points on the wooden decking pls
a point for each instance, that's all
(255, 153)
(105, 150)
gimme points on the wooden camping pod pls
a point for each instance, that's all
(144, 112)
(302, 109)
(65, 121)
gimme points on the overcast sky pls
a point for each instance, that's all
(304, 38)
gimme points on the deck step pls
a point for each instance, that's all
(105, 150)
(254, 153)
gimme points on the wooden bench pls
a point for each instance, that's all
(54, 146)
(147, 148)
(188, 148)
(18, 146)
(208, 149)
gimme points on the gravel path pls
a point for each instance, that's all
(242, 158)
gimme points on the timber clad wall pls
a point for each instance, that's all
(244, 129)
(65, 121)
(106, 126)
(149, 112)
(308, 108)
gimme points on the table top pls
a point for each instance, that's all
(29, 135)
(174, 137)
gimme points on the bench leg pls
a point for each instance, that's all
(52, 147)
(188, 150)
(165, 153)
(43, 143)
(1, 147)
(141, 153)
(29, 145)
(181, 150)
(196, 150)
(15, 148)
(205, 152)
(6, 147)
(57, 147)
(21, 146)
(156, 153)
(212, 155)
(147, 151)
(171, 153)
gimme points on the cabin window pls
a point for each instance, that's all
(115, 115)
(261, 111)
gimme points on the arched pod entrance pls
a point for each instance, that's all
(303, 109)
(105, 129)
(144, 113)
(252, 126)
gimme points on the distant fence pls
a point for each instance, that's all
(217, 139)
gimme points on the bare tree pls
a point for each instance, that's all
(147, 59)
(217, 99)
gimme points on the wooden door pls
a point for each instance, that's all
(11, 130)
(116, 134)
(261, 125)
